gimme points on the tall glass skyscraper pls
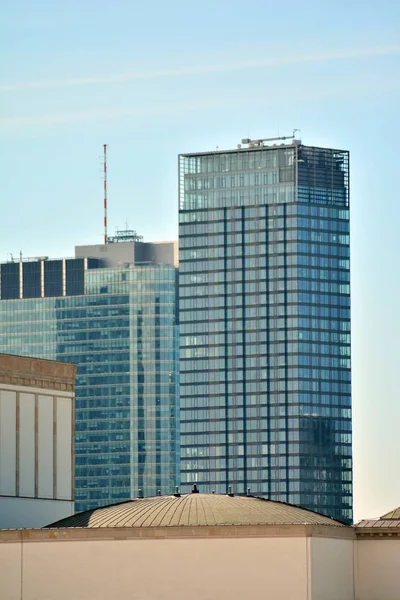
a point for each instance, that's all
(264, 293)
(111, 310)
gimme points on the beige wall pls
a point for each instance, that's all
(206, 569)
(332, 576)
(377, 567)
(276, 568)
(10, 571)
(36, 455)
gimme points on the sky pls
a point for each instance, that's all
(155, 79)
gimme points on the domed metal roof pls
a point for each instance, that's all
(192, 510)
(390, 520)
(393, 514)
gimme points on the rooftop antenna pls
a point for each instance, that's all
(105, 192)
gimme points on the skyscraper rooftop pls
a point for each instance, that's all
(264, 293)
(112, 311)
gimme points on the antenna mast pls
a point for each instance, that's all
(105, 192)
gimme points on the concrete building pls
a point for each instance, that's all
(36, 441)
(377, 557)
(202, 546)
(111, 310)
(196, 545)
(264, 309)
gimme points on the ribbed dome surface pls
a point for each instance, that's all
(192, 510)
(393, 514)
(388, 521)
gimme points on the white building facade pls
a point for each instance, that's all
(36, 441)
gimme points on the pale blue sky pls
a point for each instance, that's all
(158, 78)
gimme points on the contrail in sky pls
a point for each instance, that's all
(201, 69)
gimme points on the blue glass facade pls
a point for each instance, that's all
(119, 325)
(264, 292)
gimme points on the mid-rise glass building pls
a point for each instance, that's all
(264, 293)
(111, 310)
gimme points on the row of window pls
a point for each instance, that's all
(204, 369)
(278, 324)
(279, 404)
(254, 218)
(276, 426)
(212, 340)
(221, 161)
(334, 290)
(303, 215)
(333, 384)
(264, 178)
(254, 381)
(232, 245)
(329, 482)
(270, 411)
(253, 232)
(279, 315)
(258, 269)
(266, 290)
(269, 342)
(280, 193)
(286, 450)
(268, 350)
(86, 438)
(315, 461)
(249, 196)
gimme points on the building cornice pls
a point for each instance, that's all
(37, 373)
(157, 533)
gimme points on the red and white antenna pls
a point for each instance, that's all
(105, 192)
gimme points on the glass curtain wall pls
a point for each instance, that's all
(265, 325)
(122, 333)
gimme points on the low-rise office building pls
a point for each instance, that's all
(36, 441)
